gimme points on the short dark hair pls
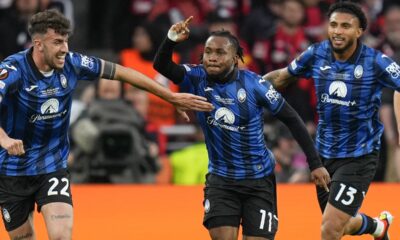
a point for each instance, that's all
(40, 22)
(350, 8)
(232, 39)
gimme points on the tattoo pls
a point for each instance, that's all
(28, 235)
(56, 217)
(279, 78)
(273, 76)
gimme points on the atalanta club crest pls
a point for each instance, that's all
(358, 72)
(63, 81)
(241, 95)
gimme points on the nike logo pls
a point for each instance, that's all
(208, 89)
(384, 56)
(262, 80)
(324, 68)
(31, 88)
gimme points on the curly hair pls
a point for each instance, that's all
(350, 8)
(232, 39)
(40, 22)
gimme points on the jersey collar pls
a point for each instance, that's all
(353, 58)
(230, 78)
(35, 70)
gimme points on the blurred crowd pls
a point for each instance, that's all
(122, 134)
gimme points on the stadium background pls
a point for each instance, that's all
(163, 211)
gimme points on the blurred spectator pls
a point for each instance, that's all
(277, 51)
(190, 164)
(15, 20)
(373, 12)
(145, 40)
(110, 141)
(235, 9)
(63, 6)
(259, 24)
(291, 162)
(315, 19)
(216, 21)
(4, 5)
(390, 152)
(14, 35)
(287, 42)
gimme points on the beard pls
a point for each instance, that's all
(222, 76)
(342, 49)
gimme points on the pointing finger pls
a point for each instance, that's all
(188, 20)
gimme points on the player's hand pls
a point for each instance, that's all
(180, 31)
(13, 146)
(183, 114)
(187, 101)
(321, 178)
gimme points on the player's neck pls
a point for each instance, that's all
(346, 54)
(39, 61)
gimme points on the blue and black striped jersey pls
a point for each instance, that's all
(36, 110)
(349, 96)
(234, 129)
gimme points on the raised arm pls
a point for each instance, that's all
(280, 78)
(163, 61)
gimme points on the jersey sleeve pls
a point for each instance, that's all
(389, 72)
(194, 73)
(267, 96)
(87, 68)
(301, 66)
(10, 74)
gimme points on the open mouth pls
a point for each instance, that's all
(338, 40)
(60, 59)
(213, 66)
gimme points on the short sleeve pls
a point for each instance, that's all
(268, 97)
(389, 75)
(87, 68)
(194, 73)
(10, 74)
(301, 66)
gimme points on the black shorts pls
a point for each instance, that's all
(251, 202)
(351, 178)
(18, 195)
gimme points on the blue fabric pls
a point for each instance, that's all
(234, 129)
(349, 96)
(36, 110)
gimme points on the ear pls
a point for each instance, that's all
(359, 32)
(37, 43)
(236, 59)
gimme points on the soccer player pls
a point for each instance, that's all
(240, 184)
(36, 92)
(348, 80)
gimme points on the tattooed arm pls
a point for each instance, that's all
(280, 78)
